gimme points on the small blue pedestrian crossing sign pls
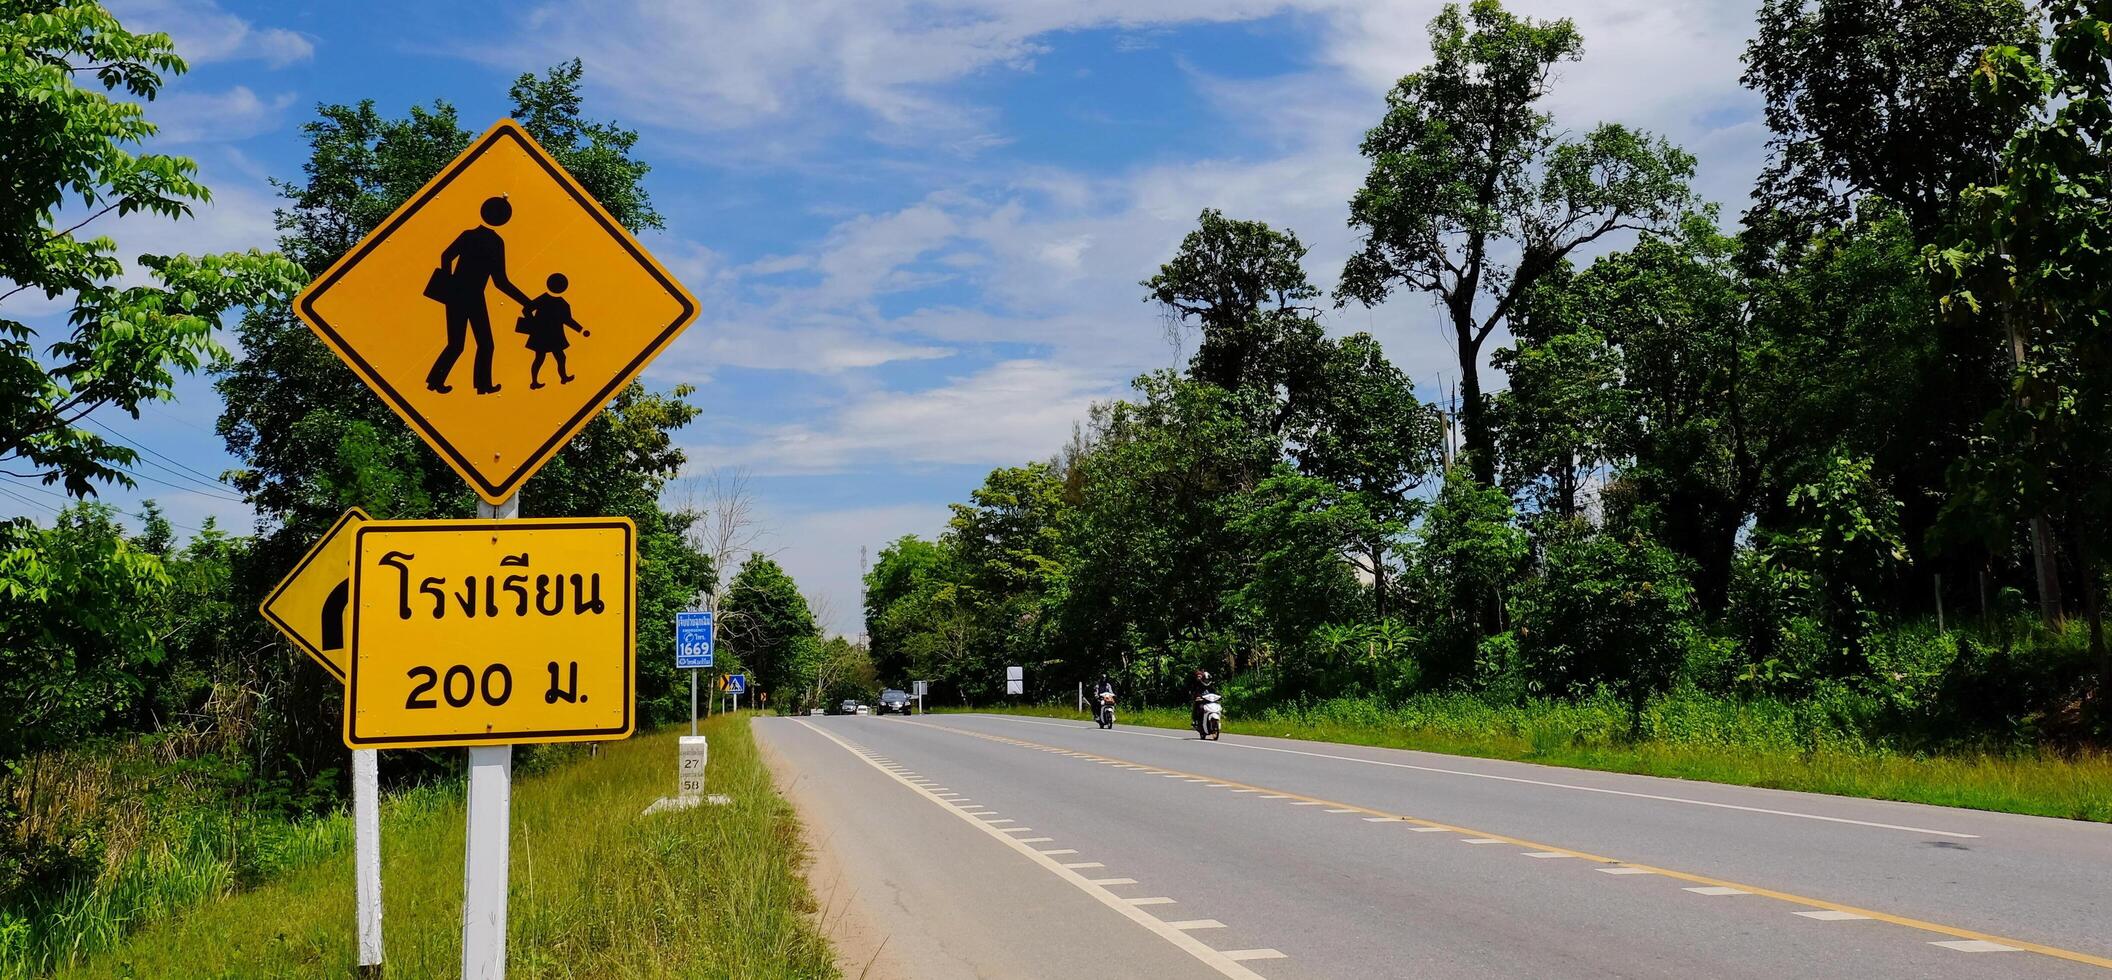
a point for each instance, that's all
(735, 683)
(692, 639)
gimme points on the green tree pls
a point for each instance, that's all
(67, 160)
(1875, 97)
(76, 648)
(1608, 610)
(1362, 429)
(906, 569)
(769, 622)
(2032, 270)
(1009, 544)
(1473, 196)
(1466, 556)
(1243, 284)
(1155, 554)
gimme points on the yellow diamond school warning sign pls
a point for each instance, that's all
(310, 603)
(491, 632)
(497, 310)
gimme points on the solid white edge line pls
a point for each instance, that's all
(1127, 907)
(1535, 782)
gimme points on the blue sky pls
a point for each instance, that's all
(916, 227)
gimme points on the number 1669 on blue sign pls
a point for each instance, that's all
(692, 639)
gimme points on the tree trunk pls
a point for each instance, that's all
(1479, 441)
(2048, 573)
(1378, 576)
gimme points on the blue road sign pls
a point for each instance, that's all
(693, 639)
(736, 683)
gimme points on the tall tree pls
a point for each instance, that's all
(1473, 196)
(1875, 97)
(771, 624)
(2034, 268)
(1362, 429)
(67, 159)
(1243, 285)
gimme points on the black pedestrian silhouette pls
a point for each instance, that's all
(478, 257)
(544, 321)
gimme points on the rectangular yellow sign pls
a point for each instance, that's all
(488, 632)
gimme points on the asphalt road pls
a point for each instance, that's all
(996, 846)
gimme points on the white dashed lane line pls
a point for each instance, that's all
(1226, 964)
(1816, 909)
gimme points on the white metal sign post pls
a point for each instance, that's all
(486, 845)
(366, 844)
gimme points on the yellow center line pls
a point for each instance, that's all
(1794, 899)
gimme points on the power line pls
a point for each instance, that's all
(216, 481)
(70, 500)
(26, 500)
(135, 474)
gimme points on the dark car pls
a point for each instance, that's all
(895, 703)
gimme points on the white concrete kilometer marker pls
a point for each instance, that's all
(1717, 890)
(1975, 946)
(1625, 871)
(1209, 957)
(1253, 954)
(1831, 915)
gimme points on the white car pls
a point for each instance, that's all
(811, 712)
(863, 710)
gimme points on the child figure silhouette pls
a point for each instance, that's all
(544, 320)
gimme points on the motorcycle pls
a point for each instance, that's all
(1210, 719)
(1106, 717)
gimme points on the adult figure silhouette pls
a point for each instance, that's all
(476, 257)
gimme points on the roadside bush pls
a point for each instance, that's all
(1613, 611)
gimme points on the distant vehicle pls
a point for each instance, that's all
(863, 710)
(1106, 717)
(813, 711)
(849, 706)
(893, 702)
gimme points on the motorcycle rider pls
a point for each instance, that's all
(1102, 691)
(1198, 685)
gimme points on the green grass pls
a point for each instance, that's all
(1722, 747)
(597, 889)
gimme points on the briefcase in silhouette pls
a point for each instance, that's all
(438, 287)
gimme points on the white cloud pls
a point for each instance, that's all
(238, 113)
(889, 58)
(1008, 413)
(205, 33)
